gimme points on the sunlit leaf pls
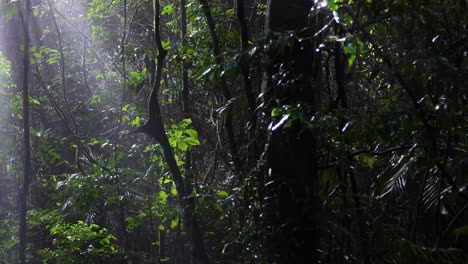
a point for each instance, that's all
(350, 53)
(174, 190)
(192, 133)
(163, 196)
(167, 10)
(223, 193)
(182, 145)
(174, 223)
(191, 141)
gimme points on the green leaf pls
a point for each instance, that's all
(223, 194)
(34, 101)
(191, 141)
(166, 44)
(333, 4)
(277, 111)
(461, 231)
(174, 223)
(173, 190)
(37, 55)
(136, 75)
(350, 53)
(96, 99)
(136, 122)
(52, 61)
(169, 9)
(192, 133)
(182, 145)
(368, 160)
(163, 196)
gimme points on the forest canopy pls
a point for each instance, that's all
(233, 131)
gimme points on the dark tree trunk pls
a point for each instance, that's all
(292, 152)
(223, 84)
(26, 138)
(11, 33)
(155, 128)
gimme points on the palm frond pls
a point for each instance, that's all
(413, 253)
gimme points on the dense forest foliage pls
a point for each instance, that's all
(233, 131)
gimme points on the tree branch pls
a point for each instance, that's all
(155, 128)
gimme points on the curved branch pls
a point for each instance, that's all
(155, 128)
(223, 83)
(62, 68)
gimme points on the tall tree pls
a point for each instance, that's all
(24, 190)
(155, 128)
(336, 135)
(292, 150)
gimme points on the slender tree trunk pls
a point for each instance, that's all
(342, 101)
(185, 87)
(244, 46)
(155, 128)
(26, 138)
(223, 84)
(292, 152)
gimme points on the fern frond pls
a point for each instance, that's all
(410, 252)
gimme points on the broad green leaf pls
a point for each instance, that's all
(191, 141)
(182, 145)
(163, 196)
(136, 75)
(333, 4)
(277, 111)
(136, 122)
(223, 194)
(51, 61)
(169, 9)
(166, 44)
(173, 190)
(174, 223)
(192, 133)
(350, 53)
